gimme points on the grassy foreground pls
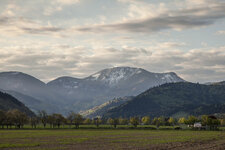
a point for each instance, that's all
(110, 139)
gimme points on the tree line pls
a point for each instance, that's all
(17, 119)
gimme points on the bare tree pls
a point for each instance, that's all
(70, 118)
(17, 118)
(2, 118)
(78, 119)
(20, 118)
(43, 116)
(97, 121)
(9, 119)
(50, 121)
(58, 120)
(34, 121)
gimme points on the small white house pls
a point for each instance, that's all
(197, 125)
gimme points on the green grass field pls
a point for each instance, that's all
(109, 139)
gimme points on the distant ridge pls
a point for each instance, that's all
(66, 94)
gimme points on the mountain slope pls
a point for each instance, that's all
(22, 83)
(33, 104)
(172, 99)
(7, 102)
(33, 92)
(83, 94)
(98, 111)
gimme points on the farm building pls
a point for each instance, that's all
(197, 125)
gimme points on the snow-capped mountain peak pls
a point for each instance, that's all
(112, 76)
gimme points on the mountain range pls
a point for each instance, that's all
(66, 94)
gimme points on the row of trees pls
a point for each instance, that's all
(18, 119)
(163, 121)
(13, 118)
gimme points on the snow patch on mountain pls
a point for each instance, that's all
(139, 71)
(113, 76)
(170, 77)
(167, 77)
(95, 76)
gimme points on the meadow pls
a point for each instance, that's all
(52, 139)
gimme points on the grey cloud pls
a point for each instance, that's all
(181, 19)
(20, 25)
(4, 20)
(195, 65)
(41, 30)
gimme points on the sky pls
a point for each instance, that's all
(52, 38)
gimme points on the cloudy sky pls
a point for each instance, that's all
(52, 38)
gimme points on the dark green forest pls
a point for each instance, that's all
(174, 99)
(8, 102)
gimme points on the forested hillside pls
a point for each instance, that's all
(7, 102)
(174, 99)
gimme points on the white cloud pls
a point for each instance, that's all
(200, 65)
(221, 32)
(67, 2)
(142, 10)
(57, 6)
(11, 10)
(169, 45)
(52, 9)
(204, 44)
